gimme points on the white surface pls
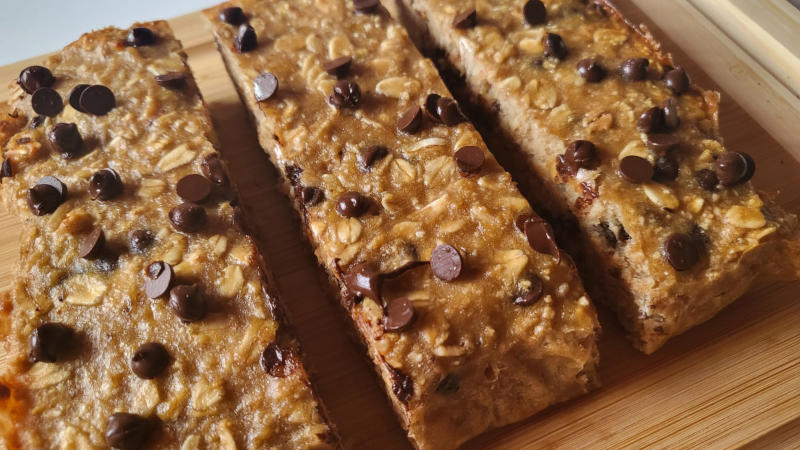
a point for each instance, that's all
(34, 27)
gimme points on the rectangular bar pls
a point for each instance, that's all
(619, 141)
(136, 293)
(469, 327)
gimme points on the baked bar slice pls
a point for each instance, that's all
(141, 316)
(471, 322)
(621, 143)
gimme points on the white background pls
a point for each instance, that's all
(33, 27)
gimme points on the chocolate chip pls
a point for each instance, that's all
(5, 169)
(466, 19)
(634, 69)
(677, 81)
(51, 342)
(671, 119)
(363, 279)
(214, 170)
(141, 240)
(411, 120)
(150, 360)
(34, 77)
(351, 204)
(399, 314)
(188, 303)
(666, 168)
(264, 86)
(97, 100)
(469, 159)
(522, 220)
(93, 244)
(554, 46)
(680, 251)
(105, 184)
(431, 102)
(402, 385)
(636, 169)
(734, 168)
(346, 94)
(245, 39)
(311, 195)
(194, 188)
(188, 218)
(44, 199)
(530, 294)
(541, 237)
(662, 142)
(338, 67)
(47, 102)
(277, 361)
(66, 140)
(652, 120)
(171, 80)
(159, 277)
(448, 385)
(75, 97)
(534, 12)
(372, 154)
(36, 122)
(127, 431)
(707, 179)
(140, 37)
(448, 111)
(591, 70)
(232, 15)
(366, 6)
(55, 183)
(446, 262)
(580, 154)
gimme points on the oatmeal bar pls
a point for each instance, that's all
(623, 144)
(471, 314)
(141, 315)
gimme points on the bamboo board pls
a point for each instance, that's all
(734, 381)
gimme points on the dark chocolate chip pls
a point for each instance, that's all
(245, 39)
(402, 385)
(351, 204)
(47, 102)
(338, 67)
(363, 279)
(188, 303)
(171, 80)
(591, 70)
(372, 154)
(5, 169)
(194, 188)
(214, 170)
(680, 251)
(66, 140)
(448, 385)
(141, 240)
(158, 280)
(677, 81)
(311, 195)
(431, 102)
(522, 220)
(140, 37)
(34, 77)
(411, 120)
(448, 111)
(734, 168)
(75, 97)
(44, 199)
(662, 142)
(55, 183)
(366, 6)
(634, 69)
(541, 237)
(105, 184)
(636, 169)
(127, 431)
(36, 122)
(469, 159)
(671, 119)
(232, 15)
(264, 86)
(534, 12)
(652, 120)
(399, 314)
(554, 46)
(97, 100)
(51, 342)
(93, 244)
(346, 94)
(150, 360)
(666, 168)
(466, 19)
(188, 218)
(446, 262)
(707, 179)
(580, 154)
(529, 295)
(276, 361)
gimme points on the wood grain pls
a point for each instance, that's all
(730, 382)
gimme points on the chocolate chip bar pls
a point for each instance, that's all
(623, 144)
(140, 316)
(471, 314)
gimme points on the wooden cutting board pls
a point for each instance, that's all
(733, 381)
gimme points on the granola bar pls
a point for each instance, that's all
(471, 314)
(621, 142)
(140, 316)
